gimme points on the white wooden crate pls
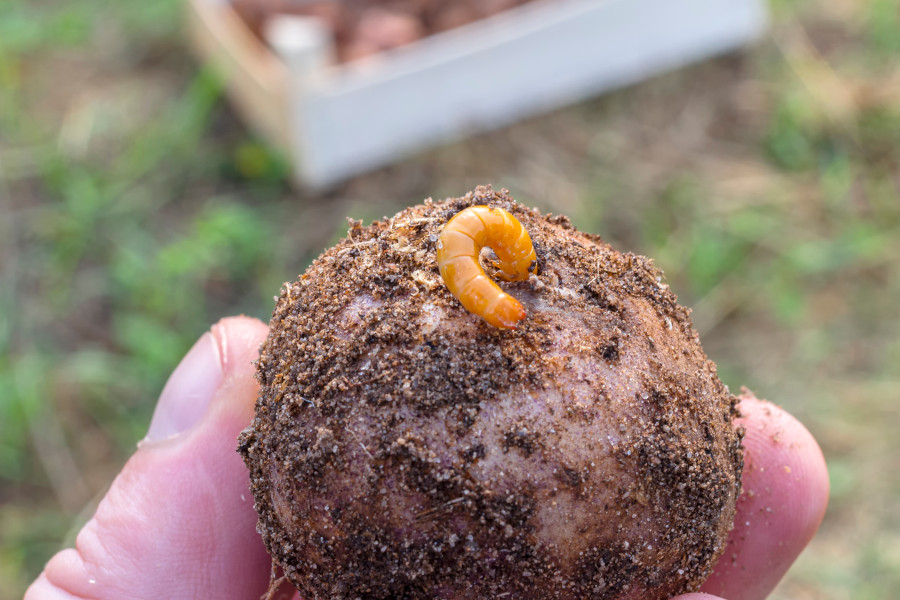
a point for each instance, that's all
(337, 120)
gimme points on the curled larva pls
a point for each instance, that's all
(459, 247)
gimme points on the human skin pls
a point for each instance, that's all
(178, 522)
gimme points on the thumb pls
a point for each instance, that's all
(178, 521)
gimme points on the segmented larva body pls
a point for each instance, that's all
(459, 248)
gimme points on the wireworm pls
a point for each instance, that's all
(459, 248)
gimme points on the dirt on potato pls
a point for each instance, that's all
(405, 449)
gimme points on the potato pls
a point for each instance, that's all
(388, 29)
(404, 448)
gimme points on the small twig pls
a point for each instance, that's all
(274, 583)
(431, 511)
(361, 445)
(366, 382)
(409, 222)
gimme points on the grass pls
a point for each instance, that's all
(135, 210)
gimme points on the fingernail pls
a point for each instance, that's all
(188, 392)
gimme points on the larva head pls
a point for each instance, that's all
(405, 449)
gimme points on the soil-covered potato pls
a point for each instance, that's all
(404, 448)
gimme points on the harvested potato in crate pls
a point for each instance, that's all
(362, 28)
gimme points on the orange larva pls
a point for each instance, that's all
(459, 248)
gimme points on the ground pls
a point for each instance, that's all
(135, 210)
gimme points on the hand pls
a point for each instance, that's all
(178, 521)
(781, 507)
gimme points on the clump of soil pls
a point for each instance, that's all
(405, 449)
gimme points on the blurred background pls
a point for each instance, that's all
(136, 210)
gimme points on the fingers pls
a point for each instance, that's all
(785, 494)
(178, 522)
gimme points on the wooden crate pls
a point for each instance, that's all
(338, 120)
